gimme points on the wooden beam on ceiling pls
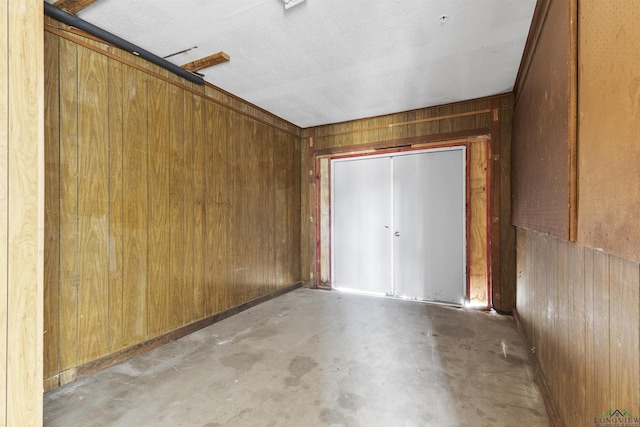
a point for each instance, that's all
(206, 62)
(73, 6)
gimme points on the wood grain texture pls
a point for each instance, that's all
(324, 228)
(22, 122)
(73, 6)
(93, 206)
(206, 62)
(307, 212)
(265, 280)
(601, 333)
(210, 241)
(237, 221)
(609, 128)
(283, 167)
(69, 233)
(4, 209)
(123, 355)
(52, 213)
(116, 206)
(188, 189)
(541, 198)
(199, 139)
(159, 220)
(247, 192)
(578, 308)
(222, 191)
(575, 370)
(296, 224)
(590, 321)
(135, 208)
(177, 291)
(477, 245)
(170, 218)
(425, 126)
(507, 261)
(207, 91)
(624, 338)
(495, 213)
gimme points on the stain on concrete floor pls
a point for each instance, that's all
(317, 358)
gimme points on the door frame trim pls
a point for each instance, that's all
(393, 155)
(392, 147)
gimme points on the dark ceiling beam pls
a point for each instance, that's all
(206, 62)
(73, 6)
(74, 21)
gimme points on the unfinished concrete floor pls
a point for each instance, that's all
(317, 358)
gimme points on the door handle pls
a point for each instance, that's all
(397, 233)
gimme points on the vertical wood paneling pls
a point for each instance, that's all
(247, 192)
(439, 121)
(289, 248)
(52, 213)
(22, 198)
(466, 122)
(578, 308)
(624, 336)
(495, 201)
(116, 206)
(507, 230)
(222, 191)
(93, 206)
(159, 221)
(167, 206)
(135, 208)
(177, 294)
(4, 207)
(589, 303)
(547, 332)
(265, 204)
(307, 213)
(295, 210)
(562, 324)
(385, 133)
(283, 174)
(69, 233)
(210, 219)
(188, 188)
(577, 336)
(478, 254)
(239, 168)
(199, 291)
(446, 125)
(601, 332)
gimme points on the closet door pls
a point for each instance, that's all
(361, 224)
(429, 259)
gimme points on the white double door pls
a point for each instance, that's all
(398, 224)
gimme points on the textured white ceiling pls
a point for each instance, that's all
(327, 61)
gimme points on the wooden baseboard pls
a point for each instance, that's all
(538, 376)
(129, 352)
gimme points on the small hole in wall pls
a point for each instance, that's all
(444, 18)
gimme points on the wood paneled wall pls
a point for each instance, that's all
(579, 311)
(609, 125)
(545, 149)
(21, 212)
(578, 304)
(489, 116)
(166, 203)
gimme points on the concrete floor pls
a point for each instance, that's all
(316, 358)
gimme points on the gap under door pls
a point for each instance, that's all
(398, 224)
